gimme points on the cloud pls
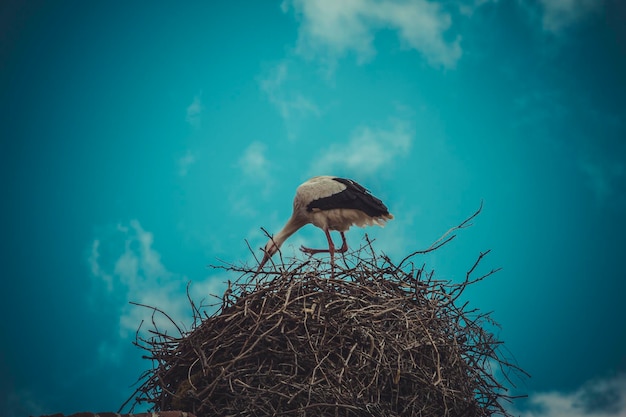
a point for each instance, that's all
(330, 29)
(256, 179)
(604, 179)
(194, 112)
(468, 7)
(292, 105)
(367, 152)
(94, 263)
(132, 270)
(253, 162)
(560, 14)
(185, 162)
(598, 398)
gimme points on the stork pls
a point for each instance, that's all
(330, 203)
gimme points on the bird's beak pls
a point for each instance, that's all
(266, 257)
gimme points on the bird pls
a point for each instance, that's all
(332, 204)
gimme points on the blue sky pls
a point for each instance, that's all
(141, 142)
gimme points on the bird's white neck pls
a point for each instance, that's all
(290, 228)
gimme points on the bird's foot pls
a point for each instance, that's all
(310, 251)
(313, 251)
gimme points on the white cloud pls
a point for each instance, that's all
(133, 272)
(257, 179)
(599, 398)
(368, 151)
(94, 263)
(330, 28)
(559, 14)
(194, 111)
(292, 105)
(253, 162)
(468, 7)
(185, 162)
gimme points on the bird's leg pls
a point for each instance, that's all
(344, 245)
(331, 246)
(331, 249)
(342, 249)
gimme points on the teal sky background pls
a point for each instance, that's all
(142, 141)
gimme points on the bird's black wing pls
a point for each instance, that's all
(355, 196)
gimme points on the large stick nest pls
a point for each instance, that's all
(361, 337)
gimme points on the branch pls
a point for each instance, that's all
(444, 238)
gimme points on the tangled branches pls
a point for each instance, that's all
(362, 337)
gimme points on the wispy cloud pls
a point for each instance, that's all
(605, 179)
(598, 398)
(184, 162)
(367, 151)
(560, 14)
(292, 105)
(132, 271)
(253, 162)
(96, 269)
(257, 176)
(194, 112)
(468, 7)
(330, 29)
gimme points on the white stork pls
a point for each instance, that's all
(330, 203)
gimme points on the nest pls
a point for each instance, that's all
(362, 337)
